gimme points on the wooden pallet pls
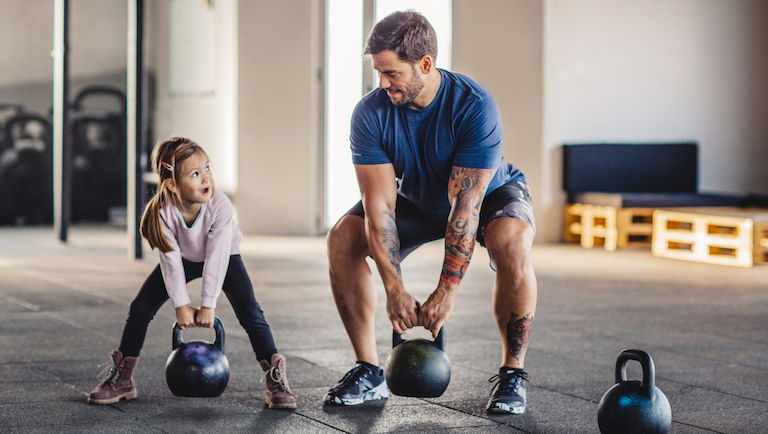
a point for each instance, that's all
(760, 253)
(608, 226)
(635, 227)
(591, 225)
(722, 236)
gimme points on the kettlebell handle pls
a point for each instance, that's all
(648, 384)
(217, 326)
(439, 341)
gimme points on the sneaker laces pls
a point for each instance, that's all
(276, 375)
(503, 382)
(353, 376)
(108, 372)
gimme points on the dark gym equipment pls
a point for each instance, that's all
(26, 171)
(7, 111)
(197, 369)
(98, 140)
(634, 407)
(418, 367)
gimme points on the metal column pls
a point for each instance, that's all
(368, 17)
(136, 129)
(62, 142)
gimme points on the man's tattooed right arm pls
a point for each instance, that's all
(391, 239)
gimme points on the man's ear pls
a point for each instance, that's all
(426, 63)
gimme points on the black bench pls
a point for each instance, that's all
(615, 187)
(637, 176)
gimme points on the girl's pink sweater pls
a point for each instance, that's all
(212, 238)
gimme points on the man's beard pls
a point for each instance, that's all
(411, 91)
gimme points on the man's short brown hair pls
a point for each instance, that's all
(407, 33)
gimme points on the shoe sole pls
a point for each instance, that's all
(130, 395)
(377, 393)
(286, 406)
(501, 408)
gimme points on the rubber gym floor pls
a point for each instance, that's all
(63, 306)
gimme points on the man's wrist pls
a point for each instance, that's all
(394, 289)
(448, 283)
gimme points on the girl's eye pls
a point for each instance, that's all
(194, 174)
(207, 168)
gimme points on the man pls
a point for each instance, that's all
(427, 152)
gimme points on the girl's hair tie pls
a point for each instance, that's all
(167, 166)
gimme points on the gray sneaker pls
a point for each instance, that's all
(508, 394)
(362, 383)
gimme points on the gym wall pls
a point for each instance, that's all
(97, 49)
(562, 71)
(653, 71)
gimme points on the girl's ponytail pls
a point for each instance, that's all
(166, 157)
(151, 227)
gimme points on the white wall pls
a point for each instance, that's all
(261, 123)
(97, 39)
(560, 70)
(280, 116)
(24, 52)
(207, 117)
(654, 71)
(500, 44)
(97, 36)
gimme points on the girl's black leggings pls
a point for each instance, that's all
(237, 287)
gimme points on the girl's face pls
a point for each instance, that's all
(195, 180)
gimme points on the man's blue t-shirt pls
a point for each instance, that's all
(461, 127)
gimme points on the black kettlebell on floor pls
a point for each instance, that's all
(632, 406)
(197, 369)
(418, 367)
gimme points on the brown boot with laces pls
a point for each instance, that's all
(116, 381)
(278, 392)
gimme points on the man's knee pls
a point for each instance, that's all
(347, 239)
(509, 241)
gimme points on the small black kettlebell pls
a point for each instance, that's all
(418, 367)
(197, 369)
(631, 407)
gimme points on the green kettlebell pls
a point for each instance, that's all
(418, 367)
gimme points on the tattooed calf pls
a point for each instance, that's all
(518, 329)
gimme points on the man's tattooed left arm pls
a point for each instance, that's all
(466, 189)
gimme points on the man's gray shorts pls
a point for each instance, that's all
(415, 228)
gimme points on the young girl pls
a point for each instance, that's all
(191, 224)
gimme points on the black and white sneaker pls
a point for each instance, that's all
(362, 383)
(508, 394)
